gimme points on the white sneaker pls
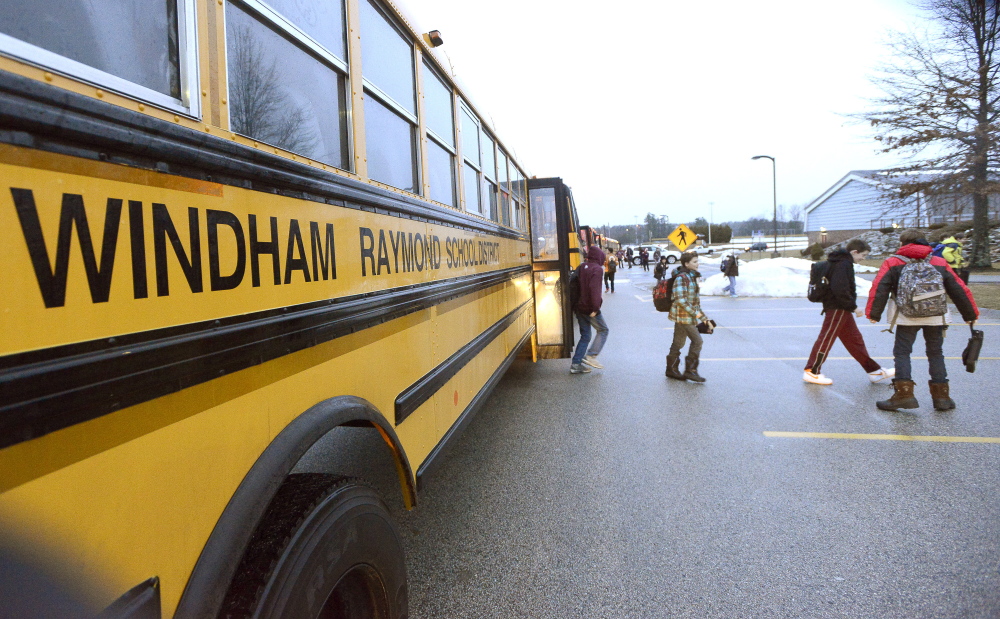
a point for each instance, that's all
(578, 368)
(816, 379)
(881, 374)
(592, 361)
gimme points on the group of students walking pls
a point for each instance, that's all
(914, 277)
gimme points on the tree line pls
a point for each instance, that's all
(659, 227)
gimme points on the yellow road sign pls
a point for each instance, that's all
(682, 237)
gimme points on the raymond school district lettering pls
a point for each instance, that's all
(415, 252)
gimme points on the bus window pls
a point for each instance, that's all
(141, 48)
(323, 21)
(282, 95)
(390, 102)
(544, 229)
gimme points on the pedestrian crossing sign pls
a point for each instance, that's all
(682, 237)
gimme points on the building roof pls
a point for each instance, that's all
(869, 177)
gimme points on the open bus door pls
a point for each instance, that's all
(557, 245)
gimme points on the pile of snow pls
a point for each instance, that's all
(778, 277)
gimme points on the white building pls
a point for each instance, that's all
(865, 200)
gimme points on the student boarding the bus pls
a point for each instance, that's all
(588, 312)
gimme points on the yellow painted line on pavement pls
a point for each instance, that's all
(885, 437)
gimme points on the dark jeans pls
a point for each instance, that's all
(933, 339)
(609, 279)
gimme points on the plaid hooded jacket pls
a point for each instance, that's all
(686, 306)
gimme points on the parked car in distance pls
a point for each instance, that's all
(757, 247)
(672, 256)
(701, 250)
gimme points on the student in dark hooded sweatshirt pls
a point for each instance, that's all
(588, 313)
(838, 322)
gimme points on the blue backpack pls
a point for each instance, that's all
(939, 250)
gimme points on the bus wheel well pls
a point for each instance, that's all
(213, 573)
(326, 547)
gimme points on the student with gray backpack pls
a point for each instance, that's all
(916, 286)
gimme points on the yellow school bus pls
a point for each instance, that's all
(230, 229)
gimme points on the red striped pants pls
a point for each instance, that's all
(839, 323)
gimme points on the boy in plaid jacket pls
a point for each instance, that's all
(686, 313)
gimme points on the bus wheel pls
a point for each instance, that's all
(327, 548)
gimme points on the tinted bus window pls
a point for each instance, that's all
(281, 95)
(544, 230)
(323, 20)
(438, 108)
(134, 40)
(391, 148)
(387, 58)
(441, 173)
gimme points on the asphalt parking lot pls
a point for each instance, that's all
(623, 494)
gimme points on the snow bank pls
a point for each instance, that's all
(777, 277)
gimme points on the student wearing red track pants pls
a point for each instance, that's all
(838, 322)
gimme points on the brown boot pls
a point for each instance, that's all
(902, 398)
(674, 367)
(939, 393)
(691, 369)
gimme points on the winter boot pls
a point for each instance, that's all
(902, 398)
(674, 367)
(691, 369)
(939, 393)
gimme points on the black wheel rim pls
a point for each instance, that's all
(359, 594)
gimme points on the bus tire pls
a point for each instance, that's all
(327, 547)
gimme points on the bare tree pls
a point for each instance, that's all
(940, 109)
(259, 107)
(795, 212)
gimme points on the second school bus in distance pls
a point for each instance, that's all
(228, 230)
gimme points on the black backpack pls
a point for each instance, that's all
(574, 288)
(819, 282)
(724, 265)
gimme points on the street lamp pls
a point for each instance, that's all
(774, 185)
(711, 207)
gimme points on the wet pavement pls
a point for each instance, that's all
(621, 493)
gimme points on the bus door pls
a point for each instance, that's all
(555, 251)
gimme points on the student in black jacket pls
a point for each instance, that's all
(838, 322)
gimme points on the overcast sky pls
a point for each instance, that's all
(659, 106)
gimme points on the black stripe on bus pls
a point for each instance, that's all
(463, 420)
(46, 390)
(422, 390)
(41, 116)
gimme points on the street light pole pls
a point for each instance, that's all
(774, 185)
(711, 208)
